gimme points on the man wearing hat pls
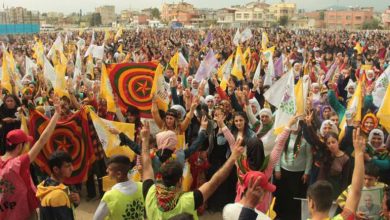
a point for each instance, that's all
(17, 191)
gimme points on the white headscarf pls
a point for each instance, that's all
(180, 109)
(257, 105)
(265, 111)
(328, 122)
(376, 131)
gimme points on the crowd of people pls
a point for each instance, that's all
(223, 136)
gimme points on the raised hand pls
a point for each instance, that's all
(220, 118)
(293, 120)
(204, 123)
(145, 131)
(309, 118)
(57, 105)
(237, 149)
(359, 142)
(113, 130)
(254, 193)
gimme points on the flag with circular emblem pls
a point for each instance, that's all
(71, 135)
(132, 82)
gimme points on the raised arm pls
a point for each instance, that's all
(354, 193)
(279, 146)
(199, 140)
(147, 169)
(156, 115)
(187, 120)
(126, 141)
(34, 151)
(208, 188)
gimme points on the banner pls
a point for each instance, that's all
(73, 136)
(132, 82)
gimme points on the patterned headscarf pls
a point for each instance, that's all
(374, 119)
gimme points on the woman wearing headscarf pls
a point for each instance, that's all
(261, 120)
(369, 122)
(8, 118)
(378, 153)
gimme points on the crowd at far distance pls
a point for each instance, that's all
(254, 124)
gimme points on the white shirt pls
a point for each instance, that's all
(232, 212)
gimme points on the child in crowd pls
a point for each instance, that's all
(57, 199)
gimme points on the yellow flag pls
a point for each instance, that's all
(107, 35)
(120, 49)
(38, 53)
(5, 79)
(358, 48)
(264, 41)
(174, 63)
(355, 105)
(23, 127)
(111, 142)
(159, 89)
(118, 34)
(60, 84)
(299, 97)
(238, 63)
(384, 111)
(106, 90)
(90, 66)
(224, 71)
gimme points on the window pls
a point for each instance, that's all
(246, 15)
(358, 18)
(238, 16)
(260, 16)
(348, 17)
(254, 16)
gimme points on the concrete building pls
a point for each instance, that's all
(107, 13)
(352, 18)
(316, 19)
(225, 15)
(19, 15)
(182, 12)
(386, 18)
(140, 19)
(204, 17)
(257, 13)
(126, 16)
(283, 9)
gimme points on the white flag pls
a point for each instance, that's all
(30, 66)
(77, 66)
(246, 35)
(236, 39)
(257, 72)
(49, 72)
(57, 45)
(287, 106)
(207, 65)
(270, 73)
(182, 61)
(80, 43)
(274, 94)
(381, 85)
(98, 52)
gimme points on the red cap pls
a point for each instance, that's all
(263, 183)
(18, 136)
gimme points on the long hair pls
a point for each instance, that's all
(234, 129)
(327, 157)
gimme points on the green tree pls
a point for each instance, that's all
(322, 15)
(96, 19)
(283, 21)
(372, 24)
(155, 13)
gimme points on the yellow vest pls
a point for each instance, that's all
(186, 203)
(122, 206)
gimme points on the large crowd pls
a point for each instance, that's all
(216, 148)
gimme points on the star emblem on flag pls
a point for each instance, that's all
(143, 87)
(62, 144)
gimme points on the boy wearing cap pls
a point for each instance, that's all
(255, 181)
(17, 192)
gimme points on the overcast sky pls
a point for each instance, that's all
(68, 6)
